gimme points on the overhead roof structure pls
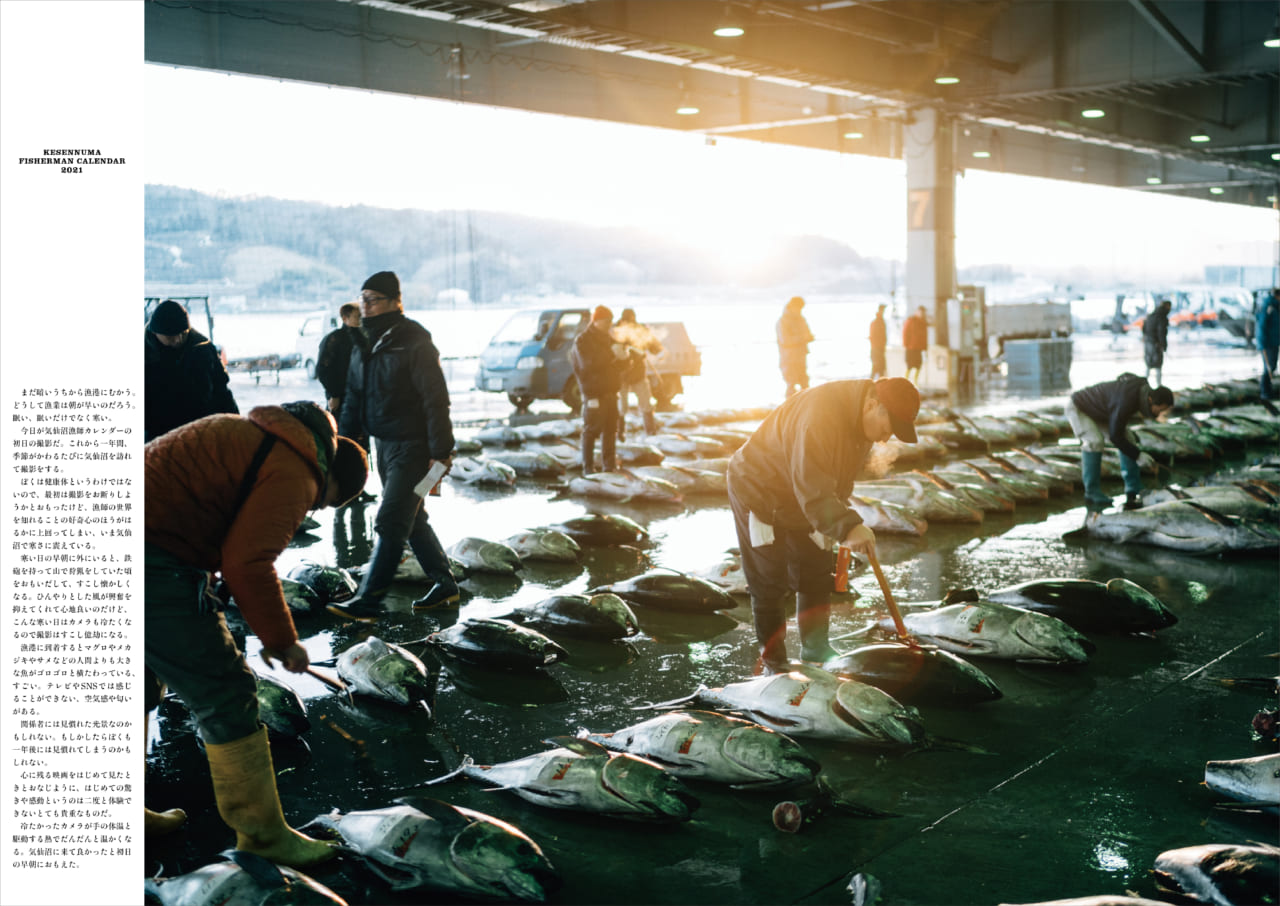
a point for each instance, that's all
(1176, 96)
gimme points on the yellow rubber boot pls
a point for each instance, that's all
(159, 823)
(244, 783)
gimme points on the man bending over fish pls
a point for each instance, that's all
(227, 493)
(1104, 411)
(789, 488)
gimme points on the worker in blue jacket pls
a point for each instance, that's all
(1267, 338)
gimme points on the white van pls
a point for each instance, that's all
(314, 328)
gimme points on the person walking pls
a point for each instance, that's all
(789, 488)
(183, 375)
(639, 343)
(915, 338)
(1155, 340)
(794, 338)
(598, 365)
(1103, 411)
(396, 395)
(333, 358)
(226, 494)
(879, 338)
(1266, 337)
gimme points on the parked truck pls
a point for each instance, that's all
(528, 359)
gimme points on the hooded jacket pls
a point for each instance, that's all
(193, 478)
(1114, 403)
(597, 368)
(797, 470)
(396, 390)
(183, 384)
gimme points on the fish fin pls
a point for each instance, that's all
(467, 762)
(674, 703)
(448, 816)
(262, 870)
(961, 596)
(1216, 516)
(395, 879)
(576, 745)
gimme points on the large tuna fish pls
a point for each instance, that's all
(1115, 606)
(1102, 899)
(883, 517)
(481, 556)
(426, 844)
(529, 463)
(1243, 499)
(1182, 525)
(497, 645)
(916, 675)
(585, 776)
(1253, 780)
(639, 454)
(813, 704)
(330, 583)
(603, 616)
(597, 529)
(482, 472)
(387, 671)
(986, 497)
(300, 598)
(247, 878)
(670, 590)
(544, 544)
(1221, 873)
(728, 575)
(280, 708)
(987, 629)
(704, 745)
(624, 487)
(686, 480)
(926, 500)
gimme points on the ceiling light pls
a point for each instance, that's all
(729, 31)
(1093, 113)
(946, 80)
(853, 135)
(1273, 41)
(1199, 137)
(1154, 180)
(981, 153)
(687, 109)
(1275, 155)
(1216, 190)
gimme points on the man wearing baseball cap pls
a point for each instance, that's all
(789, 487)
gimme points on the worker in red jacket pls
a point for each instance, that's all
(915, 338)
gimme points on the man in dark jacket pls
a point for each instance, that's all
(598, 365)
(1104, 411)
(879, 338)
(184, 376)
(789, 488)
(794, 338)
(396, 395)
(1155, 339)
(333, 358)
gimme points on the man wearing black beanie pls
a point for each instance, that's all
(396, 396)
(184, 375)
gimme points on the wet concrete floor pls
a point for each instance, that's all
(1090, 773)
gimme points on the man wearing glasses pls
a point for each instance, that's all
(396, 395)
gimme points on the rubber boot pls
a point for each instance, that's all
(771, 635)
(650, 423)
(159, 823)
(1132, 474)
(588, 456)
(366, 606)
(244, 784)
(1091, 473)
(813, 616)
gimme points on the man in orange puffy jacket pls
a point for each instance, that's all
(226, 493)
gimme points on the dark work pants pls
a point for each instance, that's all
(402, 518)
(193, 653)
(600, 419)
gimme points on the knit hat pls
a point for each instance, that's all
(385, 282)
(169, 319)
(901, 400)
(350, 470)
(602, 313)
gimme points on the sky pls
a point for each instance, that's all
(240, 135)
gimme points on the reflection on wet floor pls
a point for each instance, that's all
(1069, 785)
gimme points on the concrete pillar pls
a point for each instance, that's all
(929, 149)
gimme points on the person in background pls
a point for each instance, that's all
(794, 338)
(1266, 337)
(1103, 411)
(879, 337)
(227, 493)
(915, 338)
(598, 365)
(396, 395)
(334, 356)
(789, 488)
(184, 378)
(1155, 340)
(640, 343)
